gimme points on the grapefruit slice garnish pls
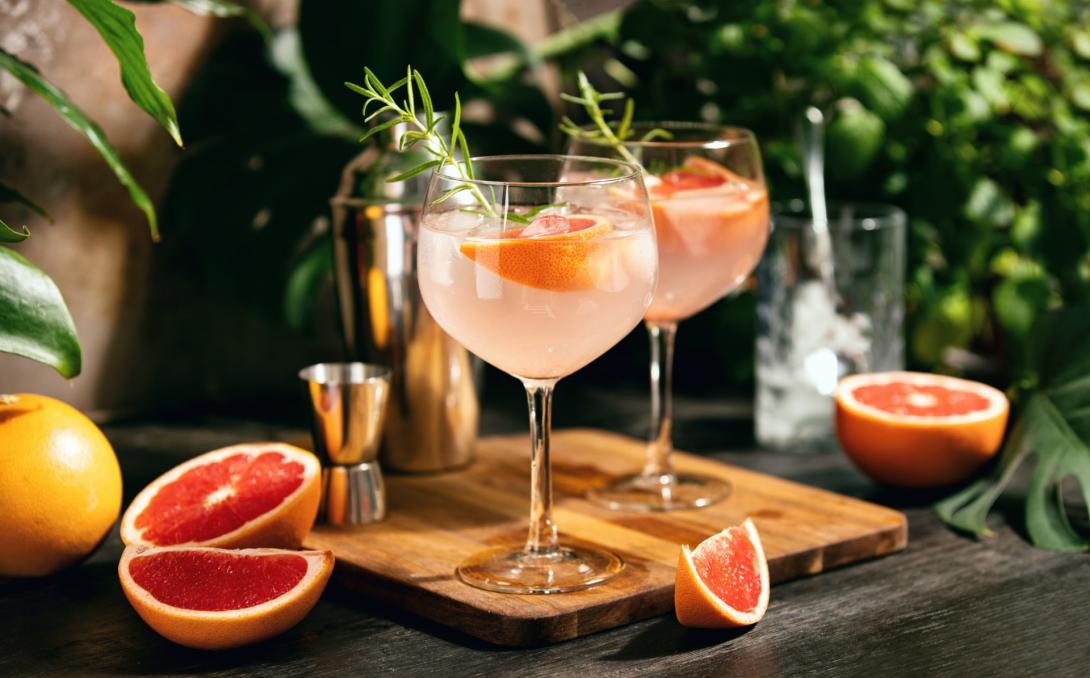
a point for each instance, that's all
(919, 430)
(553, 252)
(723, 582)
(213, 599)
(255, 494)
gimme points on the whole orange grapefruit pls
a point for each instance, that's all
(60, 485)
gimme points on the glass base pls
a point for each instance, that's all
(565, 568)
(661, 493)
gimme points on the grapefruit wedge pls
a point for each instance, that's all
(250, 495)
(912, 429)
(214, 599)
(723, 582)
(553, 252)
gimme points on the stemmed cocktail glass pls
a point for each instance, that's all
(538, 264)
(710, 207)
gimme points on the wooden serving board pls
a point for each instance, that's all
(435, 521)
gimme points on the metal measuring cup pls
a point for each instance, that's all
(348, 408)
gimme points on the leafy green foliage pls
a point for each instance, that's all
(1053, 431)
(75, 117)
(261, 176)
(972, 116)
(117, 26)
(34, 322)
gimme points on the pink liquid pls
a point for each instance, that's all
(709, 241)
(537, 306)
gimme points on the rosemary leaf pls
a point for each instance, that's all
(451, 193)
(442, 151)
(419, 169)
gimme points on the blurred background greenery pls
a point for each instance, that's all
(973, 116)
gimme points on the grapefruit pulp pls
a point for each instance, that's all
(552, 253)
(723, 582)
(912, 429)
(250, 495)
(213, 599)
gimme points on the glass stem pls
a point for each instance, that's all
(662, 363)
(542, 537)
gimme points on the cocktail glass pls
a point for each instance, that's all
(710, 206)
(538, 265)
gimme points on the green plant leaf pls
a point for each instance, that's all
(34, 322)
(853, 139)
(117, 26)
(9, 234)
(75, 117)
(307, 276)
(1013, 37)
(1053, 431)
(11, 194)
(227, 10)
(882, 87)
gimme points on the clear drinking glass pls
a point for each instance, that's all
(539, 265)
(808, 335)
(710, 207)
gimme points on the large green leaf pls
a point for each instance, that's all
(117, 26)
(1053, 431)
(34, 322)
(75, 117)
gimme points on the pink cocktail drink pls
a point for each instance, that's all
(710, 208)
(538, 264)
(712, 227)
(540, 300)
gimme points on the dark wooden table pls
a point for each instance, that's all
(947, 606)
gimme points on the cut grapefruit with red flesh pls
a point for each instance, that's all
(912, 429)
(250, 495)
(553, 252)
(213, 599)
(723, 582)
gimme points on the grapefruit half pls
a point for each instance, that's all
(250, 495)
(723, 582)
(912, 429)
(214, 599)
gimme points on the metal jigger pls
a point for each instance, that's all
(348, 404)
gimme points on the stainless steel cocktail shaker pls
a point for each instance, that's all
(431, 420)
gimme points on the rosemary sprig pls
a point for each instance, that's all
(424, 131)
(612, 133)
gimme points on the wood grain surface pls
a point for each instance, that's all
(436, 521)
(945, 606)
